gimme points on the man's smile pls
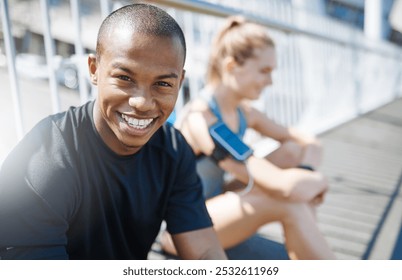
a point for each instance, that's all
(137, 123)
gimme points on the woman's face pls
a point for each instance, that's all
(250, 78)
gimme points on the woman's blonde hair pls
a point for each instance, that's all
(238, 38)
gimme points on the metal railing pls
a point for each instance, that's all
(10, 51)
(327, 73)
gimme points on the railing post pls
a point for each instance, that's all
(10, 53)
(373, 19)
(357, 82)
(105, 8)
(79, 50)
(50, 52)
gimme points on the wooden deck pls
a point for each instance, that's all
(361, 217)
(363, 159)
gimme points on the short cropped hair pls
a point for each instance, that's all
(142, 18)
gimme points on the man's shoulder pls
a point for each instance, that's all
(73, 117)
(49, 142)
(168, 139)
(44, 161)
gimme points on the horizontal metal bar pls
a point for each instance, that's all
(216, 10)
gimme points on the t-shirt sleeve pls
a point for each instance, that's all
(33, 221)
(186, 208)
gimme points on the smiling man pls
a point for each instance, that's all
(97, 181)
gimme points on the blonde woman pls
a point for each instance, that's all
(286, 185)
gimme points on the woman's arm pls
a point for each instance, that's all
(269, 128)
(312, 149)
(293, 184)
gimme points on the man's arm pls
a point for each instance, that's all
(35, 200)
(29, 227)
(200, 244)
(34, 253)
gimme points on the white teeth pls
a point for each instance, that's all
(137, 123)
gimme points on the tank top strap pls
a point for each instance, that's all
(214, 107)
(242, 123)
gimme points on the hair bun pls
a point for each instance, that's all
(234, 21)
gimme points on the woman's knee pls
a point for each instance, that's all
(271, 209)
(294, 213)
(288, 155)
(292, 152)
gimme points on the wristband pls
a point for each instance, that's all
(306, 167)
(219, 153)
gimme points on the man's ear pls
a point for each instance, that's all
(183, 74)
(93, 67)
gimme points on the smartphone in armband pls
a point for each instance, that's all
(229, 141)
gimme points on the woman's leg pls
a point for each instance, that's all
(236, 218)
(288, 155)
(303, 238)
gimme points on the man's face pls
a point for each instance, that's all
(138, 78)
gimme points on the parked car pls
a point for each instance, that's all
(66, 69)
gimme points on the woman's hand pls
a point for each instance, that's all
(305, 186)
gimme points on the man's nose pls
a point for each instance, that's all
(141, 100)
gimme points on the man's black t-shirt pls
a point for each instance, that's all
(65, 194)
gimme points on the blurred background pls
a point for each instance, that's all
(338, 60)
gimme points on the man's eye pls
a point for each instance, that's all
(163, 84)
(123, 77)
